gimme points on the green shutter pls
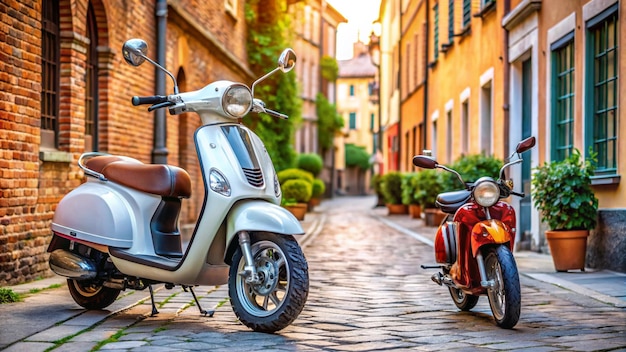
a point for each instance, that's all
(563, 98)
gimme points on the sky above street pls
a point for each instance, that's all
(360, 15)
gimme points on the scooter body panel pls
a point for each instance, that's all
(474, 232)
(105, 213)
(226, 148)
(257, 215)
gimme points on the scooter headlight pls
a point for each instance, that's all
(218, 183)
(486, 192)
(237, 100)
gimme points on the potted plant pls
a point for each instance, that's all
(409, 191)
(296, 194)
(429, 183)
(377, 185)
(318, 188)
(391, 189)
(561, 191)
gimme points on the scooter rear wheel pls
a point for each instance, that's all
(505, 295)
(462, 300)
(278, 299)
(91, 295)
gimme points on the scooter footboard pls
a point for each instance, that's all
(491, 231)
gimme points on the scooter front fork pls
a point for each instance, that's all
(249, 271)
(483, 273)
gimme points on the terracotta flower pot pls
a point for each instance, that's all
(433, 216)
(298, 210)
(397, 209)
(415, 211)
(568, 249)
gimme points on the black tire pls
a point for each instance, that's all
(276, 302)
(505, 296)
(91, 295)
(462, 300)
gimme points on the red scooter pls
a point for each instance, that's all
(473, 244)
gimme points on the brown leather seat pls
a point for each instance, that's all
(159, 179)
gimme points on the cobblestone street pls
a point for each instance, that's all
(367, 293)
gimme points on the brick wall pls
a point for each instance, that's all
(33, 179)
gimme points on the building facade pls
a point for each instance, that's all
(499, 71)
(66, 89)
(358, 107)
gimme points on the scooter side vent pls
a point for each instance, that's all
(254, 176)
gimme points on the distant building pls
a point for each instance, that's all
(357, 104)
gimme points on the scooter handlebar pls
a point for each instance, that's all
(521, 195)
(155, 99)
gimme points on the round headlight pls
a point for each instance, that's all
(486, 192)
(237, 100)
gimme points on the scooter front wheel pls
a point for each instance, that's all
(505, 295)
(277, 300)
(91, 295)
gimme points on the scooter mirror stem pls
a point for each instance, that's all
(134, 51)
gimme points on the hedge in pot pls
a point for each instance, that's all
(430, 185)
(409, 192)
(561, 191)
(318, 189)
(310, 162)
(298, 191)
(391, 188)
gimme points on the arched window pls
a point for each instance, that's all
(91, 83)
(50, 42)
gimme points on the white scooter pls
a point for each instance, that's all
(119, 229)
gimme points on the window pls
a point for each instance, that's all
(91, 84)
(486, 118)
(465, 127)
(602, 74)
(50, 73)
(436, 31)
(434, 143)
(467, 13)
(352, 90)
(562, 97)
(450, 21)
(231, 7)
(372, 122)
(352, 121)
(449, 136)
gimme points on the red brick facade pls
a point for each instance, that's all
(205, 42)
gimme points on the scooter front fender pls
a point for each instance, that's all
(260, 216)
(491, 231)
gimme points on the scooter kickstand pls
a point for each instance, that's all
(202, 311)
(154, 309)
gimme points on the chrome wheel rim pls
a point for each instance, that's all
(496, 293)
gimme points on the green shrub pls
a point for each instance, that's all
(297, 190)
(391, 187)
(471, 167)
(410, 188)
(318, 189)
(561, 191)
(429, 186)
(356, 156)
(294, 174)
(310, 162)
(8, 296)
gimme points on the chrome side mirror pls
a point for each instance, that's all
(134, 51)
(287, 60)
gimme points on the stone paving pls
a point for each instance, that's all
(367, 293)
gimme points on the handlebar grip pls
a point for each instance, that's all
(521, 195)
(155, 99)
(276, 114)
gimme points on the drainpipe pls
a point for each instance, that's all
(425, 117)
(159, 150)
(506, 82)
(399, 154)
